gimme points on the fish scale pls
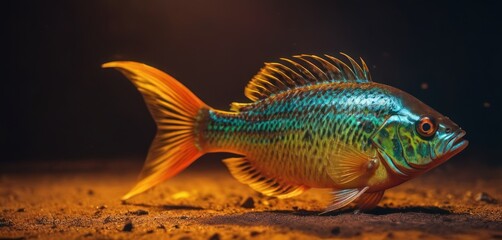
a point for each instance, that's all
(313, 111)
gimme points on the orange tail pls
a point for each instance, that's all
(174, 108)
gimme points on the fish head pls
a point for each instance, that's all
(417, 138)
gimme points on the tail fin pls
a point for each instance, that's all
(174, 108)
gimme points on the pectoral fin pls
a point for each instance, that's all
(244, 171)
(349, 165)
(369, 200)
(342, 198)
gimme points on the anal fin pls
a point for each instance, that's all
(244, 171)
(342, 198)
(369, 200)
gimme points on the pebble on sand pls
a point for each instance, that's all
(138, 212)
(335, 230)
(248, 203)
(484, 197)
(128, 227)
(5, 223)
(215, 236)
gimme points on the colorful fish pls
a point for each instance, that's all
(314, 122)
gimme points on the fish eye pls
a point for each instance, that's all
(426, 127)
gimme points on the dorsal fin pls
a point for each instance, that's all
(304, 70)
(236, 106)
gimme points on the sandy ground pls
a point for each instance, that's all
(80, 200)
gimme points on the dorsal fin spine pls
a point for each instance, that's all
(302, 69)
(332, 69)
(367, 74)
(355, 66)
(315, 68)
(263, 80)
(257, 91)
(266, 73)
(307, 70)
(272, 87)
(346, 72)
(284, 75)
(296, 76)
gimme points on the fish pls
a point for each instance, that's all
(311, 122)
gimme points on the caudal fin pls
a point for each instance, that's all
(174, 108)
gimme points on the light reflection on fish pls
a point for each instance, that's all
(314, 122)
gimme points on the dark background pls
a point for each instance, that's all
(59, 103)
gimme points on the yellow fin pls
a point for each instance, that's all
(349, 165)
(369, 200)
(236, 106)
(342, 198)
(278, 77)
(174, 108)
(243, 170)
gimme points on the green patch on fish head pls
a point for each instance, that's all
(417, 138)
(390, 146)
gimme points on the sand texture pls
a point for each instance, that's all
(80, 200)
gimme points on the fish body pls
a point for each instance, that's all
(314, 122)
(297, 134)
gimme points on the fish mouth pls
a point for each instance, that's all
(455, 145)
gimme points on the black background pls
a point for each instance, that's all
(59, 103)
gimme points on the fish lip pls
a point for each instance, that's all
(455, 145)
